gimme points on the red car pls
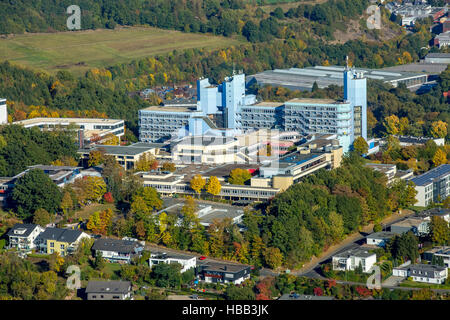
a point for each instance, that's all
(202, 258)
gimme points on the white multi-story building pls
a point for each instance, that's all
(23, 236)
(351, 259)
(115, 250)
(3, 111)
(90, 130)
(432, 186)
(187, 262)
(235, 112)
(379, 238)
(423, 273)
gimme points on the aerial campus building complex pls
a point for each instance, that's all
(225, 110)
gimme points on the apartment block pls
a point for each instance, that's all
(433, 185)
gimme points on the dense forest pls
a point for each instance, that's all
(20, 147)
(220, 17)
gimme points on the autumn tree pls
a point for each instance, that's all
(168, 166)
(89, 188)
(139, 208)
(66, 203)
(213, 186)
(439, 158)
(360, 146)
(146, 162)
(239, 176)
(111, 139)
(439, 129)
(392, 124)
(197, 183)
(273, 257)
(100, 221)
(41, 217)
(150, 196)
(96, 157)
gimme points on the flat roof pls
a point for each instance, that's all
(357, 252)
(315, 101)
(71, 120)
(170, 109)
(430, 176)
(267, 104)
(164, 254)
(118, 150)
(430, 68)
(408, 223)
(324, 76)
(381, 235)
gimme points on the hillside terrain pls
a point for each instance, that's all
(80, 51)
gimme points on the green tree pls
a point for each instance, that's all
(150, 196)
(440, 231)
(41, 217)
(239, 293)
(35, 190)
(273, 257)
(99, 262)
(167, 275)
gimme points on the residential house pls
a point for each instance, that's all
(187, 262)
(115, 250)
(108, 290)
(214, 272)
(23, 236)
(422, 273)
(62, 241)
(351, 259)
(418, 226)
(443, 252)
(379, 238)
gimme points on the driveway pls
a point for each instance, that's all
(392, 281)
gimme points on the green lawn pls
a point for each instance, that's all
(111, 268)
(79, 51)
(413, 284)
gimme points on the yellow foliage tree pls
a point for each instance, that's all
(197, 183)
(392, 124)
(440, 157)
(439, 129)
(213, 186)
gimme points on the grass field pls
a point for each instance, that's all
(90, 209)
(81, 50)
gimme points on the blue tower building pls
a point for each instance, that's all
(355, 91)
(233, 95)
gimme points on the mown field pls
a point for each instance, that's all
(81, 50)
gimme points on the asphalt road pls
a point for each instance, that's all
(313, 271)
